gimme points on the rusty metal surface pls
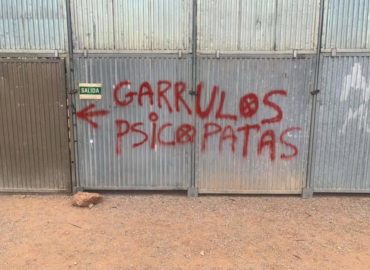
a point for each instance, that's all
(34, 153)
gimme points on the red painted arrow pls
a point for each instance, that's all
(87, 113)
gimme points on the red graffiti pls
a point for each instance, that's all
(180, 88)
(277, 118)
(267, 141)
(163, 87)
(211, 105)
(185, 134)
(220, 114)
(121, 132)
(129, 96)
(208, 132)
(246, 129)
(228, 134)
(290, 145)
(248, 105)
(123, 96)
(87, 113)
(161, 129)
(198, 107)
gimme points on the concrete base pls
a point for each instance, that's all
(307, 193)
(192, 192)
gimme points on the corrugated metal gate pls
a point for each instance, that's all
(264, 148)
(108, 161)
(261, 55)
(34, 140)
(341, 150)
(134, 145)
(215, 96)
(34, 153)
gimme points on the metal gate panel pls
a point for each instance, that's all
(257, 25)
(342, 132)
(147, 166)
(132, 25)
(218, 168)
(33, 25)
(346, 24)
(34, 152)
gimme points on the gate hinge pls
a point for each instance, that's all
(295, 53)
(56, 53)
(180, 54)
(217, 54)
(73, 91)
(333, 52)
(85, 53)
(315, 92)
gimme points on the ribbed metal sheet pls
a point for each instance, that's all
(30, 25)
(100, 167)
(346, 24)
(257, 25)
(132, 25)
(34, 153)
(222, 171)
(342, 134)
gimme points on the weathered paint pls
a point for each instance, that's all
(33, 25)
(276, 105)
(34, 152)
(342, 145)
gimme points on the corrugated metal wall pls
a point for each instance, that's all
(346, 24)
(33, 25)
(141, 25)
(34, 153)
(161, 167)
(342, 145)
(224, 171)
(257, 25)
(151, 40)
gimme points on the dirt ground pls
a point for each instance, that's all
(161, 231)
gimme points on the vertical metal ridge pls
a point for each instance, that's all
(159, 25)
(33, 153)
(140, 168)
(268, 25)
(346, 24)
(224, 172)
(32, 25)
(340, 164)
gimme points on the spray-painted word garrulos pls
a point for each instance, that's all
(157, 96)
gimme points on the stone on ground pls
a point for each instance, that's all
(84, 199)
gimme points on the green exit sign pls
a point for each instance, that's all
(90, 90)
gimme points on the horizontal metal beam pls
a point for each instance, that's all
(288, 52)
(131, 51)
(345, 50)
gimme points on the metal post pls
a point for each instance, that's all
(307, 191)
(193, 190)
(71, 102)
